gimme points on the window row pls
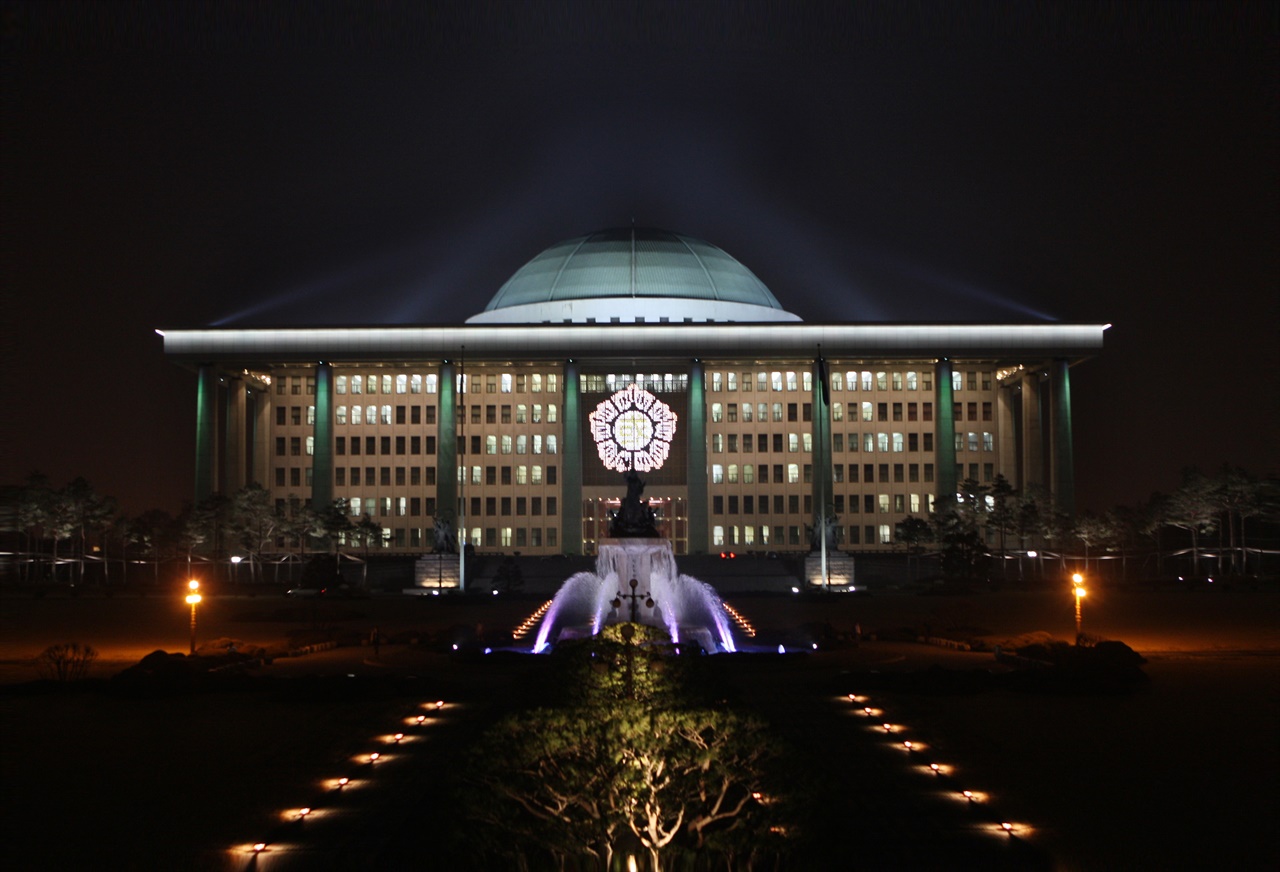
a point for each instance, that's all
(970, 380)
(484, 475)
(358, 415)
(958, 411)
(401, 383)
(654, 383)
(881, 380)
(506, 383)
(524, 414)
(882, 442)
(778, 380)
(385, 445)
(970, 441)
(295, 446)
(788, 442)
(294, 385)
(871, 472)
(384, 475)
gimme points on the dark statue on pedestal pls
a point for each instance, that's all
(634, 520)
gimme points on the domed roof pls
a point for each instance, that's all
(632, 274)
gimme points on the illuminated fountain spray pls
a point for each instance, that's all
(636, 577)
(688, 609)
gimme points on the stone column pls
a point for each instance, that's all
(322, 436)
(206, 433)
(696, 473)
(571, 461)
(235, 475)
(447, 450)
(1061, 457)
(945, 431)
(1031, 461)
(259, 414)
(821, 435)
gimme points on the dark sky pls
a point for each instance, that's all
(179, 165)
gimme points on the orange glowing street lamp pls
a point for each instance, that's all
(1078, 581)
(192, 599)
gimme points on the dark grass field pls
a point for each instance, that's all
(1179, 775)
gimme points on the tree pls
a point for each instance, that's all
(33, 513)
(1094, 532)
(255, 523)
(1003, 515)
(956, 525)
(86, 511)
(913, 532)
(1194, 507)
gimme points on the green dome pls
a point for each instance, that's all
(633, 274)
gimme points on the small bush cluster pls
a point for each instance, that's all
(69, 661)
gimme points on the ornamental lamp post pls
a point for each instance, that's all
(1077, 580)
(192, 599)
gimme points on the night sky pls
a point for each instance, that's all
(181, 165)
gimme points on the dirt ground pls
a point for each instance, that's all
(1180, 775)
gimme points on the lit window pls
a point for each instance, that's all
(522, 413)
(506, 537)
(717, 473)
(535, 475)
(837, 411)
(355, 505)
(748, 474)
(973, 441)
(988, 442)
(717, 443)
(415, 384)
(807, 380)
(340, 385)
(882, 442)
(866, 380)
(717, 381)
(776, 379)
(884, 504)
(551, 413)
(868, 442)
(837, 381)
(777, 411)
(717, 536)
(732, 379)
(793, 442)
(506, 389)
(371, 414)
(957, 381)
(551, 444)
(717, 412)
(432, 382)
(537, 383)
(537, 413)
(793, 473)
(386, 414)
(897, 442)
(733, 473)
(748, 535)
(791, 381)
(475, 476)
(357, 384)
(357, 414)
(522, 444)
(537, 443)
(897, 381)
(311, 416)
(882, 381)
(746, 412)
(491, 445)
(959, 442)
(386, 384)
(911, 381)
(915, 502)
(807, 443)
(311, 446)
(522, 475)
(506, 443)
(867, 412)
(340, 414)
(886, 535)
(762, 381)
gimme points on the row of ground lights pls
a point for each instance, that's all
(917, 751)
(532, 621)
(367, 763)
(741, 620)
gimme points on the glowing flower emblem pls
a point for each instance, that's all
(633, 429)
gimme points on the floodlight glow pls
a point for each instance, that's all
(633, 429)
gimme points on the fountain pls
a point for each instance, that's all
(636, 580)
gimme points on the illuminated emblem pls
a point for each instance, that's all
(633, 430)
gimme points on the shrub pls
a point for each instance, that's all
(67, 662)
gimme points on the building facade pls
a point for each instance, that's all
(487, 425)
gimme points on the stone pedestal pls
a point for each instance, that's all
(434, 573)
(839, 570)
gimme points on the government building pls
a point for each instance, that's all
(633, 348)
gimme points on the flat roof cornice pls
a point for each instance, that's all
(560, 341)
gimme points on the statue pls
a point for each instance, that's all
(823, 526)
(634, 520)
(446, 543)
